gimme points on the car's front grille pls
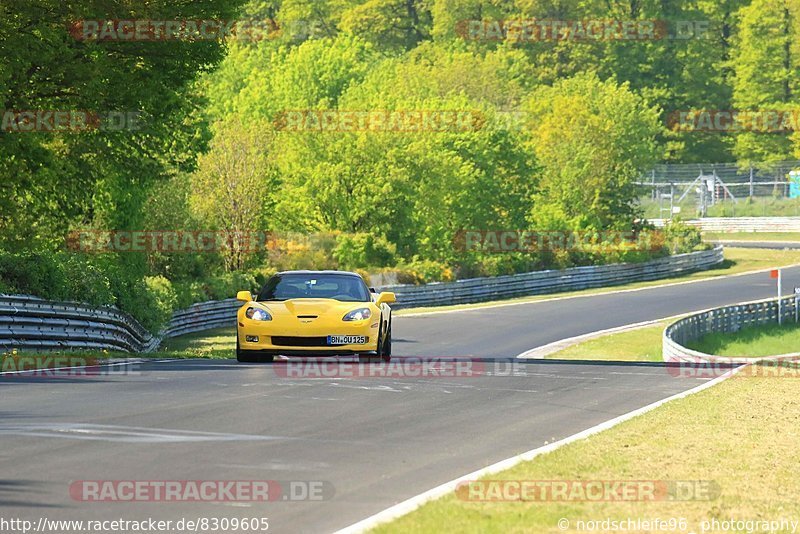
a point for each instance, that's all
(293, 341)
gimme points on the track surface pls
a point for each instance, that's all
(376, 440)
(771, 245)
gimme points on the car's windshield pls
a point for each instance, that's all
(345, 288)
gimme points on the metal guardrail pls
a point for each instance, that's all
(726, 320)
(202, 316)
(32, 323)
(542, 282)
(740, 224)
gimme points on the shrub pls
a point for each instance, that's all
(225, 286)
(33, 273)
(86, 281)
(188, 293)
(101, 280)
(363, 250)
(162, 300)
(680, 237)
(423, 272)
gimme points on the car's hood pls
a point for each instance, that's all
(305, 306)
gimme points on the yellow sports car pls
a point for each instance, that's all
(314, 313)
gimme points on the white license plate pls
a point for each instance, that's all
(347, 340)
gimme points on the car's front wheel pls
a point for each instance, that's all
(385, 343)
(249, 356)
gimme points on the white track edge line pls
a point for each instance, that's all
(415, 502)
(565, 343)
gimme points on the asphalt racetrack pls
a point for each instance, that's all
(359, 444)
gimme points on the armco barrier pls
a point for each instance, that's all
(741, 224)
(723, 320)
(32, 323)
(541, 282)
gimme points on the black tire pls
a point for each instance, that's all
(249, 356)
(385, 348)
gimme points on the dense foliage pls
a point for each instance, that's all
(558, 132)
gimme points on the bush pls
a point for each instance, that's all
(304, 259)
(680, 238)
(162, 301)
(86, 281)
(225, 286)
(99, 281)
(363, 250)
(290, 252)
(188, 293)
(424, 272)
(502, 264)
(34, 274)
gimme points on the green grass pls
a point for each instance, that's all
(752, 236)
(737, 261)
(757, 207)
(219, 343)
(735, 434)
(640, 345)
(752, 342)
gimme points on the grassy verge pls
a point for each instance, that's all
(752, 236)
(640, 345)
(737, 261)
(734, 434)
(752, 342)
(219, 343)
(756, 207)
(644, 344)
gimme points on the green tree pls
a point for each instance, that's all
(231, 189)
(52, 180)
(766, 60)
(592, 139)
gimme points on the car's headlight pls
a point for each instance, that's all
(257, 314)
(358, 315)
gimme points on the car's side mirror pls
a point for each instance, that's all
(372, 290)
(244, 296)
(386, 297)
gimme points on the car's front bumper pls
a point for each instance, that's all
(305, 339)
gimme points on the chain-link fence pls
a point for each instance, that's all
(722, 190)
